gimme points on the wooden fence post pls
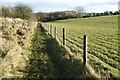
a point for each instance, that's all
(64, 36)
(51, 29)
(55, 32)
(48, 29)
(85, 50)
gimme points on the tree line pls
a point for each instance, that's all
(63, 15)
(25, 12)
(19, 11)
(55, 16)
(78, 12)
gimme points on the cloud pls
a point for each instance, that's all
(57, 5)
(102, 8)
(34, 1)
(55, 1)
(102, 3)
(119, 5)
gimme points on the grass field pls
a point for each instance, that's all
(102, 35)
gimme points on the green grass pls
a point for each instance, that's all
(51, 60)
(102, 35)
(39, 64)
(66, 67)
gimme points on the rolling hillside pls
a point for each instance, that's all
(102, 35)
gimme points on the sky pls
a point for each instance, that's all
(63, 5)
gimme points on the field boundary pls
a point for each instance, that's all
(53, 33)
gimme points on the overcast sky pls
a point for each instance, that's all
(63, 5)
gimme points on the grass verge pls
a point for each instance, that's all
(51, 60)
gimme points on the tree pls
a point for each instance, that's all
(41, 16)
(110, 12)
(79, 10)
(101, 14)
(97, 14)
(23, 11)
(116, 13)
(106, 13)
(7, 11)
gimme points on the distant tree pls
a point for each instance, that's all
(68, 16)
(101, 14)
(116, 13)
(79, 10)
(106, 13)
(56, 16)
(93, 14)
(23, 11)
(61, 15)
(8, 11)
(4, 11)
(97, 14)
(110, 12)
(41, 16)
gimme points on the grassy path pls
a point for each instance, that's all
(50, 60)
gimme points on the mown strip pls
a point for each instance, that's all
(51, 60)
(39, 65)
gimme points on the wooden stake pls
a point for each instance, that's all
(64, 36)
(48, 29)
(55, 32)
(51, 29)
(85, 50)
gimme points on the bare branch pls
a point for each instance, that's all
(79, 9)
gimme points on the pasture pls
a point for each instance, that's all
(102, 33)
